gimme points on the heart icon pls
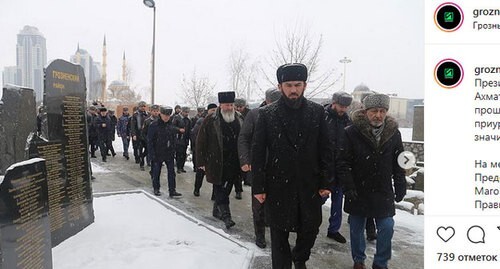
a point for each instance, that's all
(445, 233)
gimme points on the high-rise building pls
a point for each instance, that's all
(92, 74)
(9, 75)
(31, 59)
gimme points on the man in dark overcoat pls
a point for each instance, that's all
(217, 152)
(291, 154)
(161, 149)
(245, 154)
(136, 128)
(371, 176)
(103, 126)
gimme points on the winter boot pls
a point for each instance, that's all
(215, 212)
(300, 265)
(226, 216)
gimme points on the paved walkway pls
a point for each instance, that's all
(328, 254)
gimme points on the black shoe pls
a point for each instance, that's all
(126, 157)
(92, 177)
(108, 154)
(178, 171)
(371, 236)
(216, 212)
(93, 156)
(174, 194)
(104, 159)
(337, 237)
(137, 161)
(374, 266)
(113, 154)
(183, 171)
(260, 242)
(238, 195)
(157, 192)
(142, 168)
(300, 265)
(196, 193)
(228, 222)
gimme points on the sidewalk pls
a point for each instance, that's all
(118, 174)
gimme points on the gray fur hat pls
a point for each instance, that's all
(185, 109)
(342, 98)
(273, 95)
(377, 100)
(240, 102)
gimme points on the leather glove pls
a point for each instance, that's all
(351, 195)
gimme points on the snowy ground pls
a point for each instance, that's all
(138, 231)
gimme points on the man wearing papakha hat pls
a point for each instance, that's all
(161, 145)
(103, 126)
(245, 154)
(136, 128)
(291, 154)
(123, 130)
(367, 167)
(337, 119)
(217, 153)
(154, 114)
(182, 121)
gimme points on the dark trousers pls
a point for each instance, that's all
(281, 255)
(156, 171)
(259, 223)
(104, 146)
(198, 180)
(135, 146)
(238, 185)
(93, 141)
(222, 191)
(142, 151)
(180, 156)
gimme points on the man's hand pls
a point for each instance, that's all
(324, 193)
(182, 130)
(202, 168)
(246, 168)
(261, 197)
(104, 125)
(134, 138)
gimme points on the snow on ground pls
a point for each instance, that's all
(135, 231)
(414, 194)
(406, 134)
(99, 169)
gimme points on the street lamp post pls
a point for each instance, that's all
(151, 4)
(345, 61)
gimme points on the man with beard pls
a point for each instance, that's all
(136, 128)
(291, 154)
(161, 144)
(200, 174)
(245, 155)
(217, 153)
(367, 167)
(337, 119)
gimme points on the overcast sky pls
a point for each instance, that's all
(384, 39)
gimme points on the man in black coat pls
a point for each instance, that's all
(337, 119)
(103, 126)
(161, 144)
(136, 127)
(154, 115)
(93, 141)
(217, 153)
(245, 154)
(291, 154)
(367, 168)
(182, 121)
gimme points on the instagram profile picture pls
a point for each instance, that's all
(448, 73)
(448, 17)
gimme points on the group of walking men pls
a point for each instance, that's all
(295, 154)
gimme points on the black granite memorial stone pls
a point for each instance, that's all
(17, 120)
(70, 190)
(24, 221)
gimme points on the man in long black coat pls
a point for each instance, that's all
(217, 153)
(103, 127)
(367, 168)
(291, 154)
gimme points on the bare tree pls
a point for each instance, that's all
(297, 45)
(196, 91)
(243, 73)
